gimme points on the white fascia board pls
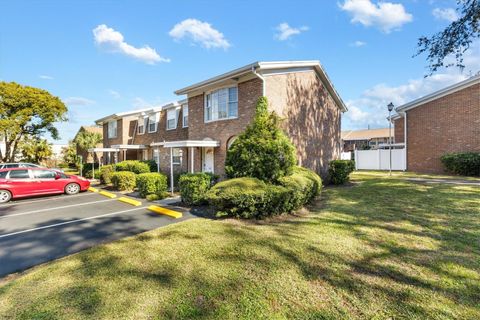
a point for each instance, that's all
(129, 146)
(191, 143)
(439, 94)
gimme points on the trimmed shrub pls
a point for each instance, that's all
(151, 164)
(124, 180)
(134, 166)
(153, 197)
(462, 163)
(263, 151)
(151, 183)
(340, 170)
(106, 173)
(194, 186)
(89, 174)
(304, 186)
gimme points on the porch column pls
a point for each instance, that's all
(158, 159)
(171, 171)
(192, 163)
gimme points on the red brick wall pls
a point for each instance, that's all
(248, 94)
(448, 124)
(312, 118)
(399, 129)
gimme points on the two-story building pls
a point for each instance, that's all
(194, 134)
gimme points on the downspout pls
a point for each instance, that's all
(264, 89)
(405, 137)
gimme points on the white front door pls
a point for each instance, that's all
(207, 159)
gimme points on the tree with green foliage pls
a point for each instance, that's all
(455, 39)
(69, 154)
(26, 112)
(35, 149)
(263, 151)
(88, 140)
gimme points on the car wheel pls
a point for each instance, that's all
(72, 188)
(5, 196)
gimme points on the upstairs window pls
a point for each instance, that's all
(221, 104)
(112, 129)
(142, 123)
(185, 115)
(171, 119)
(153, 122)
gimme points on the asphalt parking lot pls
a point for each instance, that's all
(37, 230)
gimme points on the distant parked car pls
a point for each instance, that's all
(19, 165)
(25, 182)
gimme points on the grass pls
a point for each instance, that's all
(384, 248)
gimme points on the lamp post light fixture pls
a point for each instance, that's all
(390, 108)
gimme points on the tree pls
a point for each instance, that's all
(87, 140)
(455, 39)
(35, 149)
(263, 151)
(70, 154)
(26, 112)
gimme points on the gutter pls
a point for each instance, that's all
(264, 89)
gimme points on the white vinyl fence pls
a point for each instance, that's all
(346, 156)
(380, 159)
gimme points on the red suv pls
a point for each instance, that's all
(25, 182)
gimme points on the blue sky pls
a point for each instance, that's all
(103, 57)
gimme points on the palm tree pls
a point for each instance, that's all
(86, 140)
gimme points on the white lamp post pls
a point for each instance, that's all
(390, 108)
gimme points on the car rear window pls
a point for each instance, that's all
(3, 174)
(44, 174)
(11, 165)
(19, 174)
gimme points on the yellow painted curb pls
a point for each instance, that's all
(130, 201)
(92, 189)
(107, 194)
(165, 211)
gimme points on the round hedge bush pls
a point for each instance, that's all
(124, 180)
(152, 183)
(339, 171)
(194, 186)
(106, 173)
(462, 163)
(134, 166)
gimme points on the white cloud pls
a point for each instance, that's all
(78, 101)
(285, 31)
(448, 14)
(371, 107)
(199, 32)
(387, 16)
(358, 43)
(45, 77)
(113, 40)
(114, 94)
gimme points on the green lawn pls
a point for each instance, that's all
(382, 248)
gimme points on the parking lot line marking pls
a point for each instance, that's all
(54, 208)
(130, 201)
(49, 198)
(68, 222)
(107, 194)
(165, 211)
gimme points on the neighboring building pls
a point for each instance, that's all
(88, 156)
(194, 134)
(57, 151)
(442, 122)
(365, 139)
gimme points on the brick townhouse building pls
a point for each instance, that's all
(445, 121)
(194, 134)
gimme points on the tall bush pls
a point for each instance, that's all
(263, 151)
(194, 186)
(152, 183)
(106, 173)
(339, 171)
(134, 166)
(124, 180)
(462, 163)
(152, 164)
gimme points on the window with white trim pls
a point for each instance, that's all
(221, 104)
(153, 122)
(142, 123)
(171, 119)
(177, 156)
(112, 129)
(156, 156)
(185, 115)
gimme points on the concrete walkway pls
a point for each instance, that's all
(459, 182)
